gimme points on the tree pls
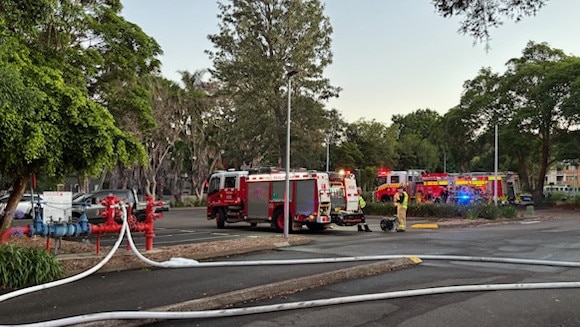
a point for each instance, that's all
(419, 137)
(368, 143)
(459, 127)
(64, 65)
(537, 102)
(480, 16)
(335, 135)
(543, 87)
(208, 129)
(171, 117)
(259, 42)
(49, 127)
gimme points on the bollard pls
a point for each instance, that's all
(530, 210)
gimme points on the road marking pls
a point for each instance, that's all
(425, 226)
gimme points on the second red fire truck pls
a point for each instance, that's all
(257, 196)
(442, 187)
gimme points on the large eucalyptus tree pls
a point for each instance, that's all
(258, 43)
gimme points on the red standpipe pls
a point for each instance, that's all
(21, 230)
(111, 213)
(147, 226)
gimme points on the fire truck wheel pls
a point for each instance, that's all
(253, 224)
(279, 221)
(220, 219)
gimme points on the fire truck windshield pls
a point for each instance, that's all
(337, 197)
(380, 181)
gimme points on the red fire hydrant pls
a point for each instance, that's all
(147, 225)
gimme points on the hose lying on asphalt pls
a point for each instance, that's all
(71, 278)
(191, 263)
(188, 263)
(293, 305)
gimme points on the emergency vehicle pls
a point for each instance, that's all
(479, 186)
(345, 209)
(388, 181)
(431, 186)
(257, 196)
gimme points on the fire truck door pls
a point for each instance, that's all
(258, 195)
(278, 190)
(351, 195)
(305, 197)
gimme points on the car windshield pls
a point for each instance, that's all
(82, 197)
(27, 198)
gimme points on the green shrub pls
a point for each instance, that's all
(484, 210)
(189, 202)
(380, 209)
(23, 267)
(508, 211)
(450, 210)
(471, 213)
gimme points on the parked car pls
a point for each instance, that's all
(26, 206)
(93, 207)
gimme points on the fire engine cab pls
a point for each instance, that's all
(388, 181)
(257, 196)
(345, 209)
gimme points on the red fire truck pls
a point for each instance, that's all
(431, 186)
(388, 181)
(257, 196)
(344, 199)
(479, 186)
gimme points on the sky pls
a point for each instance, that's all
(390, 57)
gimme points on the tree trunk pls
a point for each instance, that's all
(523, 172)
(103, 177)
(18, 188)
(538, 192)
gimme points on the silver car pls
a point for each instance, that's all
(26, 207)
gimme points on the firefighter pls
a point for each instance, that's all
(402, 203)
(362, 227)
(419, 197)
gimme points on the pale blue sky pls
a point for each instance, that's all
(390, 57)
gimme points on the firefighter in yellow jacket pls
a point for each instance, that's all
(361, 204)
(401, 199)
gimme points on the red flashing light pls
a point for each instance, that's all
(383, 172)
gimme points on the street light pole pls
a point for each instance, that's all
(327, 152)
(287, 190)
(495, 164)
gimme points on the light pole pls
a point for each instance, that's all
(327, 152)
(287, 191)
(495, 164)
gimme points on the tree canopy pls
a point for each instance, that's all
(258, 44)
(64, 67)
(535, 102)
(481, 16)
